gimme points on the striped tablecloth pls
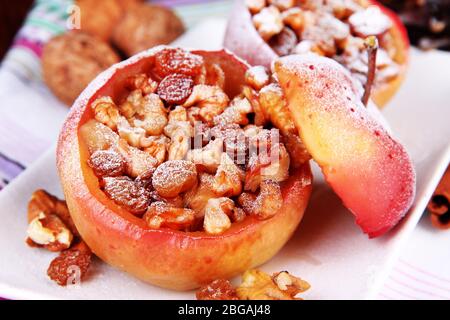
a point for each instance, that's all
(30, 119)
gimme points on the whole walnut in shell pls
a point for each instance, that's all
(70, 61)
(144, 26)
(99, 17)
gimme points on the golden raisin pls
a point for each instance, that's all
(176, 60)
(127, 193)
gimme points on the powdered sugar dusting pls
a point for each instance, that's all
(366, 167)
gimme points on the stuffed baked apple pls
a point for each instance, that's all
(170, 176)
(181, 167)
(261, 30)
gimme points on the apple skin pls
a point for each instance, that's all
(367, 168)
(164, 257)
(242, 38)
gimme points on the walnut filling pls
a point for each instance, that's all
(182, 154)
(331, 28)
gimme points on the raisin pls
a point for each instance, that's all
(284, 42)
(217, 290)
(127, 193)
(175, 88)
(71, 265)
(176, 60)
(107, 163)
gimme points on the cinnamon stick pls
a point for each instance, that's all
(439, 205)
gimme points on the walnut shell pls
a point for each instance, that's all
(145, 26)
(70, 61)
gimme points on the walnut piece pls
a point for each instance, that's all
(228, 178)
(257, 77)
(268, 22)
(197, 198)
(152, 116)
(217, 212)
(209, 157)
(164, 215)
(370, 21)
(258, 285)
(236, 112)
(48, 231)
(50, 225)
(211, 100)
(106, 112)
(137, 161)
(255, 6)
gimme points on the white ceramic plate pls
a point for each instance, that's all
(328, 249)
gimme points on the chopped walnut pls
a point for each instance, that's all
(71, 266)
(258, 285)
(156, 146)
(264, 205)
(275, 109)
(165, 215)
(269, 200)
(253, 97)
(132, 103)
(257, 77)
(49, 223)
(152, 116)
(174, 177)
(370, 22)
(255, 6)
(236, 112)
(138, 161)
(106, 112)
(42, 201)
(282, 4)
(142, 82)
(211, 100)
(325, 30)
(217, 212)
(289, 283)
(47, 230)
(294, 19)
(217, 290)
(273, 165)
(268, 22)
(209, 157)
(197, 198)
(135, 136)
(97, 136)
(234, 141)
(180, 130)
(228, 178)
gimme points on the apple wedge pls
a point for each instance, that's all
(367, 168)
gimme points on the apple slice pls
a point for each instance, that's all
(369, 170)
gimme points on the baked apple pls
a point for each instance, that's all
(261, 30)
(367, 168)
(174, 171)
